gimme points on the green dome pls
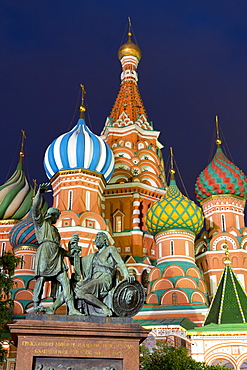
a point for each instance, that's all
(15, 196)
(174, 211)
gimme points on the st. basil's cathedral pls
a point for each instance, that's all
(191, 259)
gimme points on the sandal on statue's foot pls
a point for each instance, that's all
(49, 310)
(39, 309)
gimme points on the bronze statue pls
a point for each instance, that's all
(99, 270)
(50, 255)
(99, 293)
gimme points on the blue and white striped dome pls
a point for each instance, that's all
(79, 148)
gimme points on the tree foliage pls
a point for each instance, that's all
(164, 357)
(8, 263)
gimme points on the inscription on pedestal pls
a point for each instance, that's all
(62, 345)
(60, 348)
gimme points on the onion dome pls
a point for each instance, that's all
(174, 211)
(23, 233)
(221, 176)
(16, 193)
(129, 48)
(79, 148)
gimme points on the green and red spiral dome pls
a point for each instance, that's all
(221, 176)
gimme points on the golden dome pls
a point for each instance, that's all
(129, 48)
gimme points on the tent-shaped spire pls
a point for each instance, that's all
(128, 108)
(229, 305)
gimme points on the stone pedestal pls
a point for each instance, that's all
(73, 342)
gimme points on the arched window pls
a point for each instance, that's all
(223, 222)
(70, 199)
(118, 224)
(88, 200)
(118, 221)
(174, 299)
(33, 263)
(140, 146)
(22, 262)
(145, 275)
(172, 247)
(3, 248)
(187, 251)
(237, 222)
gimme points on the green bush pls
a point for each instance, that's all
(8, 263)
(164, 357)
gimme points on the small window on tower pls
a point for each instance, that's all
(90, 223)
(33, 263)
(187, 250)
(174, 299)
(118, 224)
(145, 275)
(140, 146)
(172, 247)
(88, 199)
(66, 222)
(3, 248)
(237, 222)
(22, 262)
(223, 222)
(118, 220)
(70, 199)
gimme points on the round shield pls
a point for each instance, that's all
(128, 298)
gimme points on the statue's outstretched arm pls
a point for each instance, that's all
(37, 202)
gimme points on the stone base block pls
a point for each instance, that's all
(54, 342)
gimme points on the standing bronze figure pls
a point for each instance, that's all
(50, 255)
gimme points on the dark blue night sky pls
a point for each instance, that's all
(194, 66)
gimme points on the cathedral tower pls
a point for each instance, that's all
(221, 189)
(176, 286)
(78, 164)
(139, 178)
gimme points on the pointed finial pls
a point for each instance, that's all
(218, 140)
(129, 48)
(22, 145)
(129, 30)
(172, 171)
(82, 108)
(227, 259)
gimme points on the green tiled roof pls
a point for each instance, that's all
(219, 328)
(162, 308)
(185, 323)
(229, 305)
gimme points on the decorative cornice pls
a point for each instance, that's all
(222, 196)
